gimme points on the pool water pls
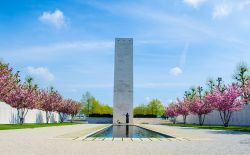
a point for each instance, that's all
(128, 131)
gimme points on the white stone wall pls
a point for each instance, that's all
(123, 80)
(8, 115)
(149, 121)
(241, 117)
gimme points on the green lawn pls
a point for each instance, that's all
(215, 127)
(32, 125)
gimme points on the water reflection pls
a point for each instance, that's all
(129, 131)
(122, 131)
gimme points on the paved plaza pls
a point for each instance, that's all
(72, 140)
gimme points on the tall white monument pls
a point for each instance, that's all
(123, 81)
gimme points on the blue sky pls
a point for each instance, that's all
(177, 43)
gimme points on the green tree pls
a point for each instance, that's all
(106, 109)
(140, 110)
(241, 75)
(92, 106)
(155, 107)
(86, 103)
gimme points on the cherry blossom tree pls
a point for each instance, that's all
(8, 81)
(247, 90)
(23, 98)
(63, 109)
(74, 108)
(226, 99)
(171, 111)
(182, 107)
(48, 101)
(200, 106)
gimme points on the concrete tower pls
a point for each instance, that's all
(123, 81)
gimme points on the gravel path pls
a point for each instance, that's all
(44, 141)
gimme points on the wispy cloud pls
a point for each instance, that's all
(158, 17)
(194, 3)
(225, 8)
(221, 10)
(137, 85)
(160, 85)
(56, 18)
(49, 50)
(184, 55)
(178, 70)
(74, 45)
(41, 72)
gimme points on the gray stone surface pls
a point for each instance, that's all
(201, 142)
(123, 80)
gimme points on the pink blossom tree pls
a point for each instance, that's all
(226, 99)
(63, 109)
(182, 107)
(74, 108)
(171, 111)
(67, 107)
(200, 106)
(48, 101)
(23, 98)
(247, 91)
(8, 81)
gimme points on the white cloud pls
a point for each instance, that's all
(41, 72)
(194, 3)
(228, 7)
(56, 18)
(222, 10)
(148, 99)
(176, 71)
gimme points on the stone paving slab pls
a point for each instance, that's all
(108, 139)
(189, 142)
(136, 139)
(127, 139)
(99, 139)
(89, 139)
(145, 139)
(154, 139)
(81, 133)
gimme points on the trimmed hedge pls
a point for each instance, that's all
(100, 115)
(145, 116)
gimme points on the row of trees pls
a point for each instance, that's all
(153, 109)
(226, 99)
(93, 107)
(25, 96)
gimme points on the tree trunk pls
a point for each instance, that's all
(22, 112)
(201, 119)
(61, 117)
(174, 120)
(72, 116)
(184, 119)
(47, 116)
(225, 117)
